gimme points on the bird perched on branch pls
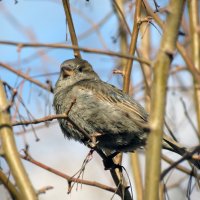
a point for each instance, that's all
(99, 114)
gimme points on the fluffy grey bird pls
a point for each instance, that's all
(101, 113)
(115, 120)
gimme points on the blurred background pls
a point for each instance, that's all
(97, 27)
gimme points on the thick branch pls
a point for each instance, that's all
(10, 187)
(195, 45)
(158, 101)
(10, 151)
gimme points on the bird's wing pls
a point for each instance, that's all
(114, 96)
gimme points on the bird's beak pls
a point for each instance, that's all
(67, 72)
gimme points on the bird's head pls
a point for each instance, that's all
(74, 70)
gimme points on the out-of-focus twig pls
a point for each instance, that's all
(63, 46)
(145, 51)
(179, 167)
(10, 152)
(39, 127)
(121, 14)
(25, 76)
(158, 99)
(181, 49)
(44, 190)
(95, 27)
(184, 157)
(188, 116)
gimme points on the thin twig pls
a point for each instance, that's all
(25, 76)
(67, 177)
(46, 125)
(188, 116)
(40, 120)
(44, 190)
(122, 16)
(181, 49)
(156, 6)
(179, 167)
(47, 118)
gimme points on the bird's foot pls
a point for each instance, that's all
(109, 163)
(94, 141)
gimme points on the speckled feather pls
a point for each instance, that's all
(99, 108)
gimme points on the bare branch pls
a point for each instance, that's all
(88, 50)
(10, 151)
(187, 156)
(162, 63)
(25, 76)
(11, 188)
(40, 120)
(71, 27)
(67, 177)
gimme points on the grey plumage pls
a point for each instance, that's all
(117, 121)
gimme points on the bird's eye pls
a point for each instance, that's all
(80, 68)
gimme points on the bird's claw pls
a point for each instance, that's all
(94, 141)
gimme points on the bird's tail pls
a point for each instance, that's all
(172, 145)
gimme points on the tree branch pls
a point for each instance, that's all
(71, 27)
(195, 46)
(11, 188)
(63, 46)
(10, 151)
(158, 100)
(25, 76)
(67, 177)
(40, 120)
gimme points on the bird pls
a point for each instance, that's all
(98, 113)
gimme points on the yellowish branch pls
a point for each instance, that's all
(10, 152)
(195, 45)
(158, 99)
(132, 48)
(127, 74)
(71, 27)
(10, 187)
